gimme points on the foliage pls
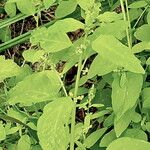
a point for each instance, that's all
(106, 105)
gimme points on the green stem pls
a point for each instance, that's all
(125, 19)
(74, 107)
(20, 39)
(140, 16)
(61, 82)
(80, 66)
(129, 22)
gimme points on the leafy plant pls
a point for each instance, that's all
(84, 81)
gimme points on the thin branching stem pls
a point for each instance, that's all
(129, 22)
(80, 66)
(125, 19)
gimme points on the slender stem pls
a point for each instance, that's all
(125, 19)
(61, 82)
(74, 107)
(140, 16)
(129, 22)
(80, 66)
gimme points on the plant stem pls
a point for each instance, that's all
(140, 16)
(74, 107)
(61, 82)
(80, 66)
(129, 22)
(125, 19)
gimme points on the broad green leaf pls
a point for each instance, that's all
(138, 4)
(17, 115)
(148, 18)
(117, 29)
(48, 3)
(67, 25)
(10, 9)
(38, 87)
(12, 146)
(141, 47)
(146, 98)
(65, 8)
(125, 97)
(136, 117)
(2, 132)
(114, 51)
(148, 61)
(108, 122)
(100, 66)
(129, 144)
(8, 68)
(24, 143)
(78, 131)
(52, 127)
(94, 137)
(142, 33)
(108, 138)
(121, 125)
(135, 133)
(33, 55)
(49, 40)
(134, 14)
(85, 4)
(24, 72)
(26, 7)
(5, 34)
(13, 130)
(108, 17)
(147, 126)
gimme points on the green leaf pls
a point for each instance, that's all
(147, 126)
(94, 137)
(67, 25)
(49, 40)
(26, 7)
(48, 3)
(142, 33)
(52, 127)
(129, 144)
(146, 98)
(148, 18)
(65, 8)
(78, 131)
(104, 65)
(108, 17)
(120, 125)
(108, 138)
(17, 115)
(10, 9)
(117, 29)
(13, 130)
(5, 34)
(85, 4)
(141, 47)
(2, 132)
(148, 61)
(125, 97)
(24, 143)
(8, 68)
(138, 4)
(33, 55)
(38, 87)
(115, 52)
(135, 133)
